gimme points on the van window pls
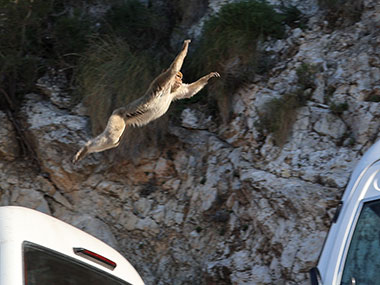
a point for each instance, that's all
(363, 259)
(43, 266)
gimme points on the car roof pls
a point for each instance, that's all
(19, 224)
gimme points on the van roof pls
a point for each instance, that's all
(19, 224)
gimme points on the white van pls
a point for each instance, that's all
(37, 249)
(351, 253)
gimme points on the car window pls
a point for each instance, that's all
(43, 266)
(362, 265)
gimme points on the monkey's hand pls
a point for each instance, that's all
(213, 74)
(186, 43)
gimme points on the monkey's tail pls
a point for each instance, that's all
(80, 154)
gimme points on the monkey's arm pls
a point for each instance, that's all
(189, 90)
(164, 79)
(178, 61)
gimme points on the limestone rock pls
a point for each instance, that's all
(9, 149)
(56, 135)
(95, 227)
(53, 84)
(217, 204)
(194, 119)
(330, 125)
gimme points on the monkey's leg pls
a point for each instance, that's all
(80, 154)
(109, 138)
(98, 144)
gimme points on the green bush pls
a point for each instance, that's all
(142, 26)
(228, 45)
(234, 31)
(36, 35)
(338, 108)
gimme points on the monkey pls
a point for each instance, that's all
(164, 89)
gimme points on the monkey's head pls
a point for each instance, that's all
(179, 75)
(177, 81)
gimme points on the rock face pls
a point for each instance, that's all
(222, 204)
(8, 141)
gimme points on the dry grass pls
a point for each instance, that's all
(113, 76)
(279, 114)
(130, 51)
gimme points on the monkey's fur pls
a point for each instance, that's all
(162, 91)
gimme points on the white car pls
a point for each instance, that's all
(37, 249)
(351, 253)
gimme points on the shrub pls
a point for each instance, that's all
(142, 26)
(71, 33)
(293, 17)
(349, 11)
(235, 31)
(36, 35)
(112, 76)
(228, 45)
(17, 63)
(338, 108)
(372, 98)
(329, 93)
(278, 114)
(306, 76)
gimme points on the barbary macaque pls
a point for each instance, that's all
(164, 89)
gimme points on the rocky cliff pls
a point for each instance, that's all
(220, 203)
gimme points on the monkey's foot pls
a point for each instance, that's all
(214, 74)
(80, 154)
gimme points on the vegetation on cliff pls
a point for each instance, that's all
(110, 51)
